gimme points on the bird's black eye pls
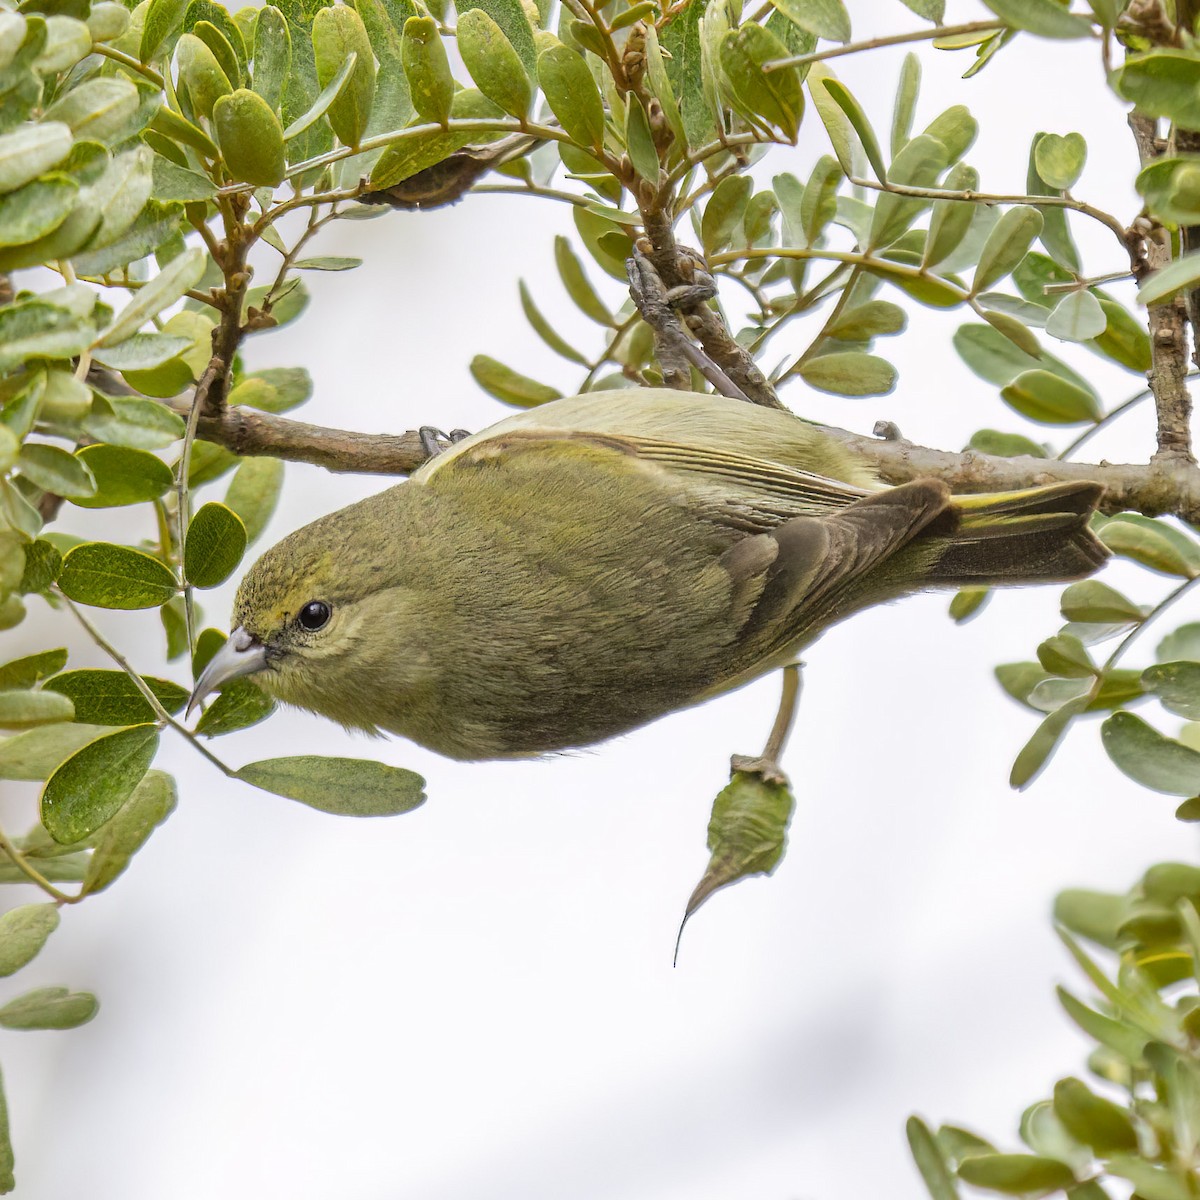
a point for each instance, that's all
(313, 615)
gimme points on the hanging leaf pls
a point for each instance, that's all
(1051, 400)
(849, 373)
(1006, 245)
(508, 385)
(572, 94)
(430, 82)
(216, 541)
(23, 932)
(493, 63)
(151, 803)
(1150, 759)
(1077, 317)
(338, 32)
(349, 787)
(91, 785)
(122, 476)
(251, 138)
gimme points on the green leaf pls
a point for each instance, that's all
(824, 18)
(1163, 83)
(29, 671)
(241, 704)
(272, 56)
(42, 563)
(28, 151)
(23, 932)
(575, 280)
(907, 90)
(164, 18)
(1077, 317)
(55, 470)
(1154, 544)
(110, 576)
(639, 142)
(338, 32)
(49, 1008)
(34, 329)
(289, 388)
(36, 754)
(1093, 1120)
(1177, 685)
(572, 94)
(1016, 331)
(122, 476)
(747, 834)
(1124, 339)
(950, 219)
(112, 698)
(1040, 748)
(327, 263)
(89, 788)
(1060, 160)
(164, 289)
(684, 69)
(345, 786)
(152, 802)
(1007, 244)
(1043, 17)
(1096, 916)
(850, 373)
(254, 492)
(1163, 284)
(1147, 757)
(508, 385)
(930, 1161)
(1184, 643)
(23, 709)
(131, 423)
(98, 109)
(216, 541)
(1051, 400)
(776, 97)
(723, 212)
(142, 351)
(251, 137)
(917, 165)
(201, 74)
(1067, 656)
(1151, 1182)
(862, 322)
(862, 126)
(493, 62)
(36, 210)
(546, 331)
(1095, 602)
(1016, 1173)
(430, 82)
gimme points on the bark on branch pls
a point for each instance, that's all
(1154, 489)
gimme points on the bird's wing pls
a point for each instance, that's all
(744, 492)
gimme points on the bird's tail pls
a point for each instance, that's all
(1040, 535)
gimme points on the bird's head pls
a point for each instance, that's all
(312, 619)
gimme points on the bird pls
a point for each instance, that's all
(584, 567)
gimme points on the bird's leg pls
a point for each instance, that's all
(672, 342)
(432, 439)
(766, 765)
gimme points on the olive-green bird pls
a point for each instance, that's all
(589, 565)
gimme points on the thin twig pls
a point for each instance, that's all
(894, 39)
(127, 60)
(164, 717)
(31, 873)
(1106, 219)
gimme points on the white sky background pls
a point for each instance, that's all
(477, 999)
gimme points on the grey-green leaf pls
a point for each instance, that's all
(1149, 758)
(23, 932)
(49, 1008)
(344, 786)
(152, 802)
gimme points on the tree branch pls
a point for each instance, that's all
(1156, 488)
(1168, 325)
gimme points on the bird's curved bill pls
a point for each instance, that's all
(241, 655)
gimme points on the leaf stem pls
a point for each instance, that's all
(164, 717)
(1090, 432)
(33, 874)
(127, 60)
